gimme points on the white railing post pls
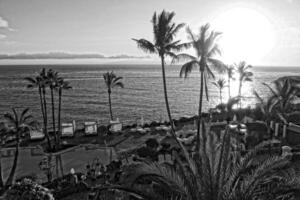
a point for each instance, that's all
(276, 129)
(284, 131)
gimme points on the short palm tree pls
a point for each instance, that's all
(61, 86)
(52, 78)
(164, 45)
(39, 83)
(220, 84)
(19, 122)
(284, 93)
(206, 47)
(244, 76)
(230, 73)
(112, 81)
(266, 106)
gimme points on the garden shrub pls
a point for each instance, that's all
(27, 189)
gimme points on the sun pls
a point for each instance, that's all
(247, 35)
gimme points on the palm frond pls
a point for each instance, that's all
(187, 68)
(145, 45)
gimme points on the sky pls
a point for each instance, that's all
(107, 26)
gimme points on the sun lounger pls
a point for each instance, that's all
(68, 129)
(141, 130)
(165, 128)
(115, 126)
(90, 128)
(36, 135)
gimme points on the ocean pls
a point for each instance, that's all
(142, 95)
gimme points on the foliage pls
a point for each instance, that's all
(112, 81)
(244, 75)
(19, 123)
(220, 85)
(49, 79)
(218, 172)
(206, 47)
(164, 44)
(28, 190)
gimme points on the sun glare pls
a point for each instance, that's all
(247, 35)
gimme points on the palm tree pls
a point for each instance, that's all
(164, 44)
(284, 93)
(267, 106)
(19, 124)
(219, 173)
(206, 48)
(39, 83)
(230, 72)
(61, 85)
(44, 85)
(244, 76)
(112, 81)
(52, 78)
(220, 84)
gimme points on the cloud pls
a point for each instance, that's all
(290, 1)
(3, 23)
(2, 36)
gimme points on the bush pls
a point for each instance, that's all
(152, 143)
(28, 190)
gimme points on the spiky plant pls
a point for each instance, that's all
(219, 172)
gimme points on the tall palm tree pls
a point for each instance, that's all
(112, 81)
(44, 85)
(164, 45)
(220, 172)
(52, 78)
(61, 85)
(244, 76)
(19, 123)
(39, 83)
(230, 73)
(206, 47)
(220, 84)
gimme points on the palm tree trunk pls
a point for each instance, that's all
(14, 167)
(221, 96)
(110, 108)
(43, 114)
(59, 116)
(46, 118)
(53, 116)
(240, 93)
(1, 177)
(199, 112)
(229, 95)
(166, 95)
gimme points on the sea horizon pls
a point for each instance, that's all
(141, 97)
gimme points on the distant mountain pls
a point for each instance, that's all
(62, 55)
